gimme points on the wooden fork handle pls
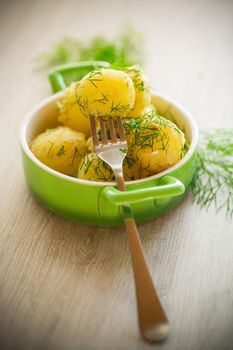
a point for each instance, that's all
(153, 321)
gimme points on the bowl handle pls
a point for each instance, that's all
(61, 76)
(168, 187)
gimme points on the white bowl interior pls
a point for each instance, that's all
(43, 118)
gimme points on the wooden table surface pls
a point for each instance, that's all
(68, 286)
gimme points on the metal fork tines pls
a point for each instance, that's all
(111, 145)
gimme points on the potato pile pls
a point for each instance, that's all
(154, 143)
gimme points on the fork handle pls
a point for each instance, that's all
(120, 180)
(153, 321)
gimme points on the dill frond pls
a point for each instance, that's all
(125, 49)
(50, 148)
(61, 151)
(103, 100)
(213, 180)
(148, 130)
(75, 154)
(118, 108)
(94, 77)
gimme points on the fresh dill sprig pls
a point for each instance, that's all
(126, 49)
(50, 148)
(61, 151)
(102, 100)
(75, 155)
(118, 108)
(184, 148)
(148, 130)
(213, 180)
(93, 77)
(97, 166)
(81, 102)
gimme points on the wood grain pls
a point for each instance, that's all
(69, 286)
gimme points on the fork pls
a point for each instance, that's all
(112, 147)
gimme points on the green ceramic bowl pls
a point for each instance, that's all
(97, 202)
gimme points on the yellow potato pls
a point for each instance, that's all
(94, 169)
(106, 93)
(142, 91)
(132, 167)
(61, 149)
(90, 145)
(70, 113)
(157, 143)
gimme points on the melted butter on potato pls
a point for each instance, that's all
(106, 93)
(70, 113)
(61, 149)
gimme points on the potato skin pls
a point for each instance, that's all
(61, 149)
(142, 92)
(106, 93)
(70, 113)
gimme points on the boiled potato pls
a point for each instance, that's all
(106, 93)
(142, 91)
(132, 168)
(61, 149)
(90, 145)
(157, 143)
(70, 113)
(94, 169)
